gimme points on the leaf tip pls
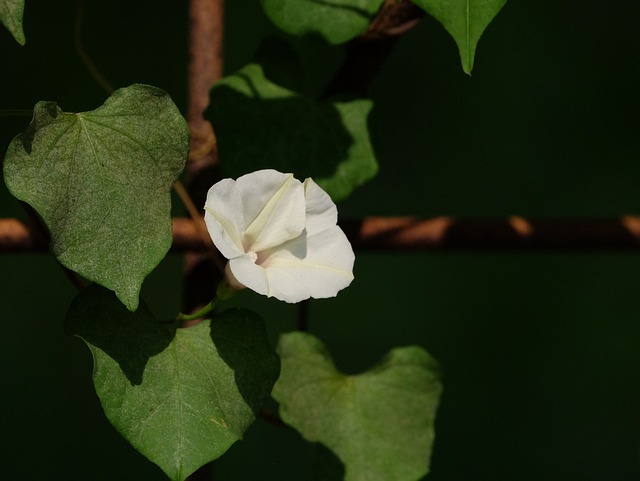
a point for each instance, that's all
(130, 300)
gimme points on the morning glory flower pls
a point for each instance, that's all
(279, 235)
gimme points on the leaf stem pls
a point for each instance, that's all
(198, 314)
(224, 292)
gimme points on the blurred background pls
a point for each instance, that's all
(540, 352)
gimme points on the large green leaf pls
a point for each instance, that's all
(11, 12)
(262, 125)
(102, 181)
(379, 423)
(465, 20)
(335, 20)
(181, 397)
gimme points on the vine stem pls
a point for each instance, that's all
(82, 53)
(366, 53)
(201, 227)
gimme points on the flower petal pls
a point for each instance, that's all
(249, 274)
(280, 236)
(321, 211)
(224, 224)
(315, 266)
(273, 207)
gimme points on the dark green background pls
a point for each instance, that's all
(539, 351)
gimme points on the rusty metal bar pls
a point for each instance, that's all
(511, 234)
(407, 234)
(205, 68)
(206, 27)
(17, 236)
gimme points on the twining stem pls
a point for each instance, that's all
(84, 56)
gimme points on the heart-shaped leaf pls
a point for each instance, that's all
(336, 20)
(262, 125)
(181, 397)
(379, 423)
(11, 12)
(102, 181)
(465, 20)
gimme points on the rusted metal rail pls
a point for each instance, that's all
(407, 234)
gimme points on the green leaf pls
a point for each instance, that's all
(11, 12)
(379, 423)
(101, 181)
(335, 20)
(262, 125)
(181, 397)
(465, 20)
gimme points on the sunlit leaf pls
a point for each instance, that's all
(465, 20)
(379, 423)
(11, 12)
(101, 181)
(335, 20)
(262, 125)
(181, 397)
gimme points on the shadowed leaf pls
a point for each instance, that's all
(262, 125)
(181, 397)
(379, 423)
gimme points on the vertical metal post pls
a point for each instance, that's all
(205, 68)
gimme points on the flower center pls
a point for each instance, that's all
(253, 256)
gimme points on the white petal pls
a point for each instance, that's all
(273, 207)
(249, 274)
(280, 236)
(223, 216)
(321, 211)
(315, 266)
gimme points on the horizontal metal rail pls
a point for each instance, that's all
(406, 234)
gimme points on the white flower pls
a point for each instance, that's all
(280, 236)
